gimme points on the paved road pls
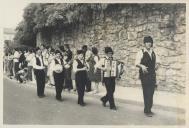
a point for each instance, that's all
(22, 106)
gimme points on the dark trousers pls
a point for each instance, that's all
(40, 79)
(110, 88)
(80, 85)
(68, 84)
(80, 90)
(16, 68)
(88, 85)
(46, 77)
(148, 86)
(30, 73)
(59, 80)
(67, 79)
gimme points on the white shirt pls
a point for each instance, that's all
(139, 56)
(101, 62)
(35, 66)
(96, 59)
(29, 58)
(16, 56)
(53, 62)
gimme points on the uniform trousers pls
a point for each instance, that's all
(59, 81)
(40, 79)
(81, 81)
(110, 88)
(148, 86)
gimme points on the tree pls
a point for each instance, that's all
(49, 17)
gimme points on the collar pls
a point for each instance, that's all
(150, 51)
(106, 57)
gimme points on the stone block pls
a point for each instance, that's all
(180, 29)
(123, 35)
(132, 36)
(131, 29)
(179, 38)
(162, 51)
(176, 66)
(171, 72)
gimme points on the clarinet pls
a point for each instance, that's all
(86, 65)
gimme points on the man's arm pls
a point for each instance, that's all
(138, 62)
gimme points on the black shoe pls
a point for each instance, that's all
(113, 108)
(149, 114)
(88, 90)
(82, 104)
(152, 113)
(41, 96)
(59, 99)
(103, 102)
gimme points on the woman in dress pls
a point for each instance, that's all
(94, 73)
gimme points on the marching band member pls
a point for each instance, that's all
(58, 74)
(39, 71)
(80, 69)
(109, 77)
(87, 55)
(147, 62)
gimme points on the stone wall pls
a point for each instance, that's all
(123, 27)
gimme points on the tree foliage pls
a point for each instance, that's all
(40, 17)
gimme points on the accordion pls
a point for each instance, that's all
(114, 68)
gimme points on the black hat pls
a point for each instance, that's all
(36, 49)
(84, 47)
(61, 48)
(148, 39)
(108, 50)
(57, 51)
(79, 52)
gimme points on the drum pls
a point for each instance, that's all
(58, 68)
(67, 66)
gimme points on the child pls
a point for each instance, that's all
(147, 62)
(80, 70)
(108, 79)
(22, 75)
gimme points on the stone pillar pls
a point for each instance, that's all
(39, 39)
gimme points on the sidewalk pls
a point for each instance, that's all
(131, 95)
(135, 95)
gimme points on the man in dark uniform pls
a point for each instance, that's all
(147, 62)
(87, 54)
(80, 70)
(108, 80)
(39, 71)
(58, 74)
